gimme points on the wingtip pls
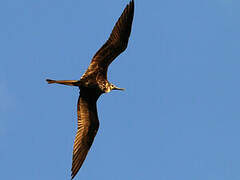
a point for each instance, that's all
(131, 6)
(132, 2)
(73, 175)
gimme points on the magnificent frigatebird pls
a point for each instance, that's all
(93, 83)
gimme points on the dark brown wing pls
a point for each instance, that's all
(87, 128)
(116, 43)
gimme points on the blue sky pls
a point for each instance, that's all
(178, 119)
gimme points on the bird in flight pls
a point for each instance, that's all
(93, 83)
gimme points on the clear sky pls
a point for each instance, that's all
(178, 119)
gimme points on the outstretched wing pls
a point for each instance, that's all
(116, 43)
(87, 128)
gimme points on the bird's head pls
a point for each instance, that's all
(111, 87)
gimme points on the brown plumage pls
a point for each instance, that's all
(93, 83)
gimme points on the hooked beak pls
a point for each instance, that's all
(117, 88)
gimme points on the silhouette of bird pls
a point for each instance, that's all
(93, 83)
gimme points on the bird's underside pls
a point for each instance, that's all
(93, 83)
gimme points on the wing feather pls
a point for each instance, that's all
(116, 43)
(88, 125)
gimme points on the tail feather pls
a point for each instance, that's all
(65, 82)
(50, 81)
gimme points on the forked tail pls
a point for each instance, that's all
(65, 82)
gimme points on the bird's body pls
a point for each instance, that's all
(93, 83)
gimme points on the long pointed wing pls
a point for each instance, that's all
(87, 128)
(116, 43)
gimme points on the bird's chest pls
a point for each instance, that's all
(103, 85)
(95, 80)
